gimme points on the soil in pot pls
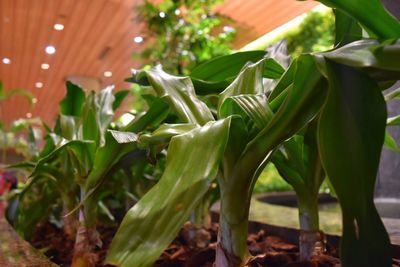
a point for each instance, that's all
(186, 251)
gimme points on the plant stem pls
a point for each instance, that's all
(232, 247)
(70, 220)
(311, 241)
(87, 237)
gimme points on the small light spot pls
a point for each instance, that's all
(34, 100)
(228, 29)
(29, 115)
(138, 39)
(50, 49)
(45, 66)
(38, 84)
(58, 27)
(107, 74)
(6, 61)
(162, 14)
(177, 12)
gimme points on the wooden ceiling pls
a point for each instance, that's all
(97, 37)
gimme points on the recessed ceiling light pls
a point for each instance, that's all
(29, 115)
(107, 74)
(162, 14)
(45, 66)
(38, 84)
(138, 39)
(50, 49)
(6, 60)
(58, 27)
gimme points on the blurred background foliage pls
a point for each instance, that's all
(315, 33)
(185, 33)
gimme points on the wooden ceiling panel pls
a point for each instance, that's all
(98, 37)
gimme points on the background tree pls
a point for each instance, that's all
(185, 33)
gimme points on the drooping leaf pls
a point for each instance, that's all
(106, 157)
(224, 67)
(371, 14)
(254, 106)
(147, 229)
(75, 145)
(104, 111)
(179, 93)
(165, 132)
(247, 82)
(347, 29)
(124, 137)
(73, 101)
(350, 136)
(380, 60)
(213, 76)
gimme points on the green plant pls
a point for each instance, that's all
(8, 138)
(339, 90)
(78, 154)
(184, 33)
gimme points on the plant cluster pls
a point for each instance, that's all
(185, 33)
(323, 116)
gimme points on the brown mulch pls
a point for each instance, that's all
(192, 248)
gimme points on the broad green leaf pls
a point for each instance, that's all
(350, 136)
(371, 14)
(119, 97)
(224, 67)
(73, 101)
(390, 142)
(371, 56)
(148, 229)
(254, 106)
(284, 82)
(300, 106)
(179, 93)
(87, 121)
(165, 132)
(104, 111)
(247, 82)
(347, 29)
(69, 126)
(106, 157)
(395, 94)
(75, 145)
(393, 120)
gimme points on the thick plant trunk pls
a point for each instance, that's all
(312, 240)
(232, 248)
